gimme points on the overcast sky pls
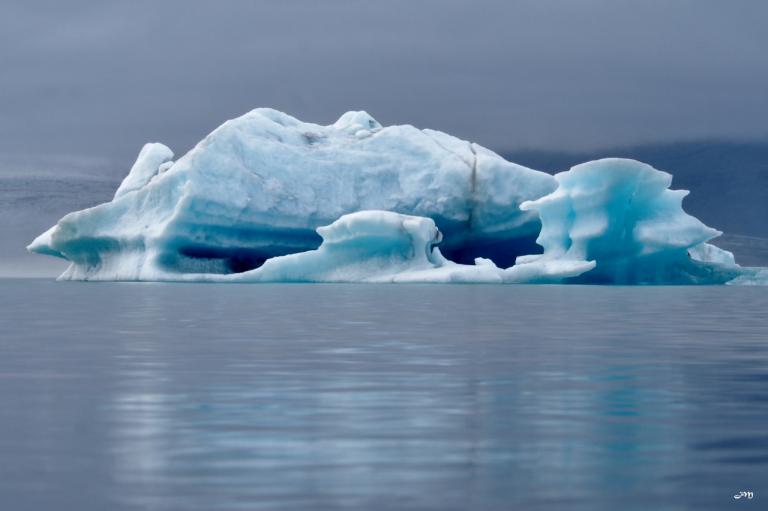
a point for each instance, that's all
(98, 78)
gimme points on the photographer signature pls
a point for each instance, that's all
(744, 495)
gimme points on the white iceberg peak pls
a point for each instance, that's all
(148, 164)
(352, 122)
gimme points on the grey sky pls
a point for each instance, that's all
(101, 78)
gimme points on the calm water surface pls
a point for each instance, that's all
(367, 397)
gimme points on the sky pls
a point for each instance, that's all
(96, 79)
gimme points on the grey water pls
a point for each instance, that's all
(373, 397)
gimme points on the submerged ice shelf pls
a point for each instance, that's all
(266, 197)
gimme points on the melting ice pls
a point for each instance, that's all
(266, 197)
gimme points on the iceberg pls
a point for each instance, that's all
(260, 185)
(268, 198)
(621, 216)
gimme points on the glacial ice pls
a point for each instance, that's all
(371, 246)
(621, 215)
(266, 197)
(259, 185)
(153, 159)
(751, 277)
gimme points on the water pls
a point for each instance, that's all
(365, 397)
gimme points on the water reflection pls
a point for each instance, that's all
(384, 397)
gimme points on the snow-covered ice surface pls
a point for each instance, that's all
(266, 197)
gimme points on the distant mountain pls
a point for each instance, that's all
(728, 180)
